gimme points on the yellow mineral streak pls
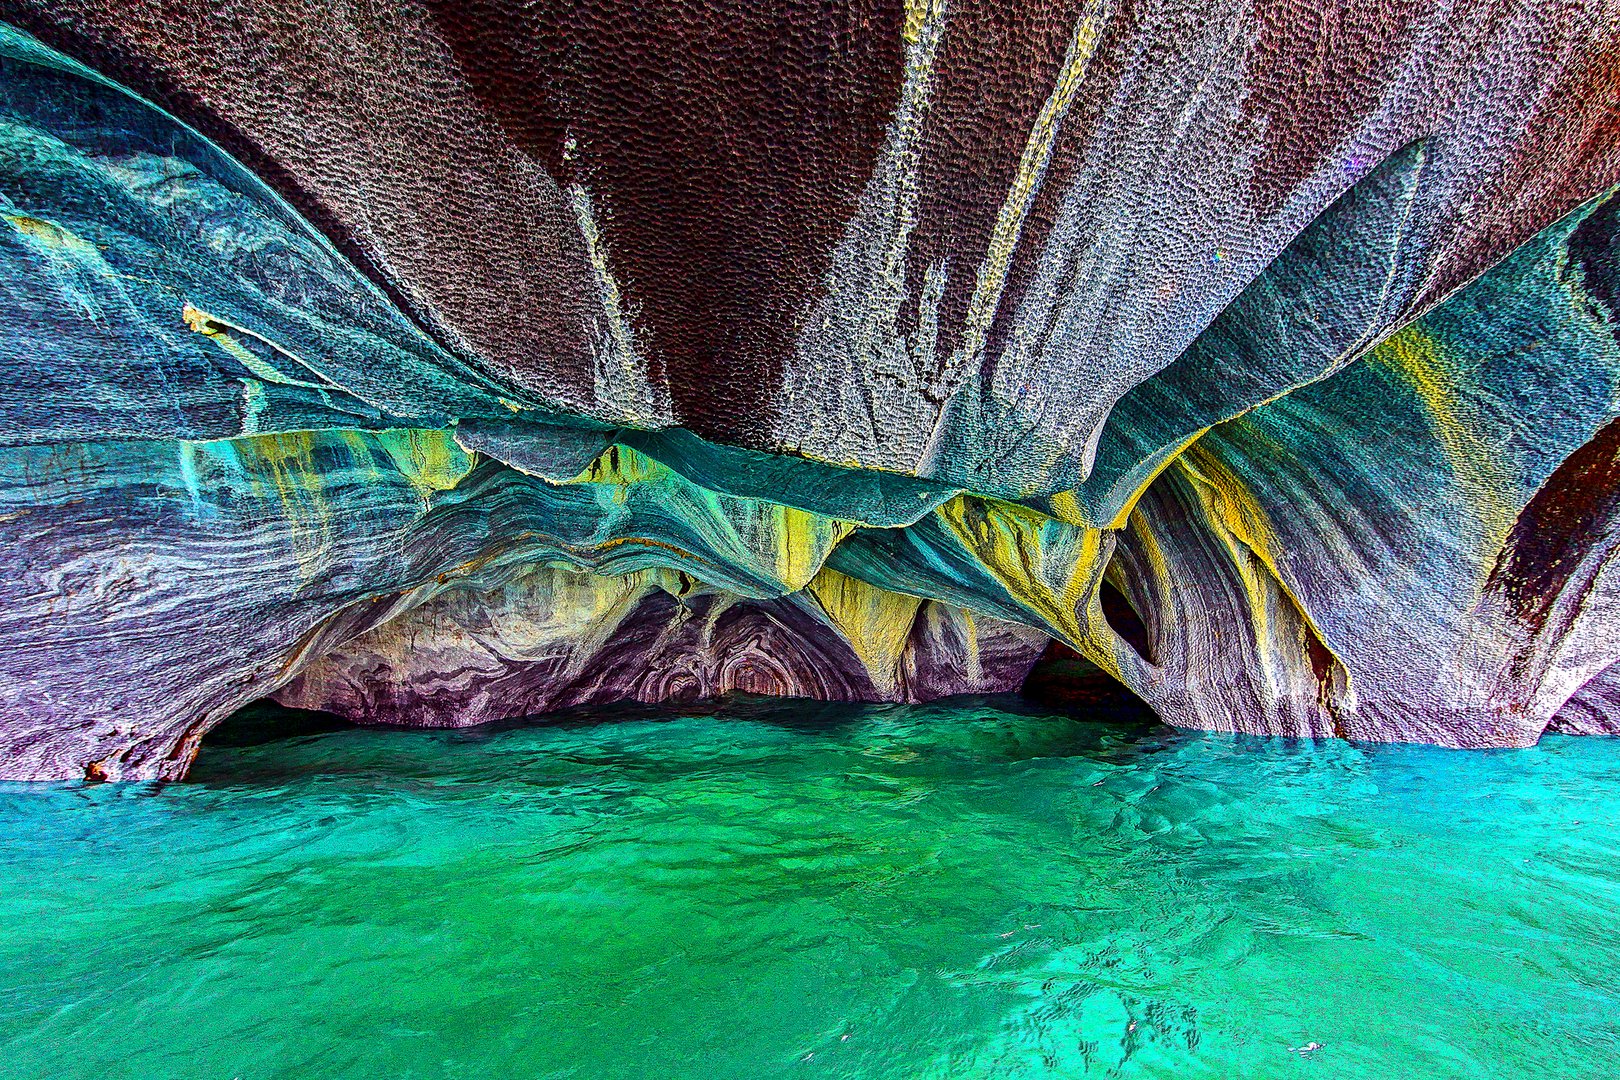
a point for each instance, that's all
(1238, 519)
(286, 462)
(1147, 481)
(804, 540)
(1417, 359)
(1228, 502)
(1150, 554)
(791, 544)
(876, 623)
(50, 234)
(992, 275)
(623, 466)
(224, 335)
(1066, 505)
(1050, 567)
(282, 468)
(919, 14)
(296, 472)
(561, 604)
(430, 460)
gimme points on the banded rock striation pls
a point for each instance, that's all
(432, 362)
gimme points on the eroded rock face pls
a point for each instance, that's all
(434, 362)
(547, 639)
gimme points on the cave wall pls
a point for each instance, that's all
(436, 362)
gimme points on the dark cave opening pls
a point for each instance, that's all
(1123, 620)
(1063, 679)
(267, 721)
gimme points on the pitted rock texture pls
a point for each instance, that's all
(434, 362)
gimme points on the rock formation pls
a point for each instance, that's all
(433, 361)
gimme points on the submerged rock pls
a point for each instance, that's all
(437, 362)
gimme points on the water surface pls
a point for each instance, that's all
(967, 889)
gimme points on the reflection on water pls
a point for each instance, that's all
(966, 889)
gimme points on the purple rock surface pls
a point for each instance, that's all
(439, 361)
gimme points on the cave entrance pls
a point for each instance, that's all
(1123, 619)
(267, 721)
(1063, 679)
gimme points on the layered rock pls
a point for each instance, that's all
(551, 638)
(438, 362)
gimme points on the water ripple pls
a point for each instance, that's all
(964, 889)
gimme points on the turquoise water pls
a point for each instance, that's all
(968, 889)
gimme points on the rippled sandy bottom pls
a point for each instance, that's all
(968, 889)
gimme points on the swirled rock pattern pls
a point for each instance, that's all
(434, 361)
